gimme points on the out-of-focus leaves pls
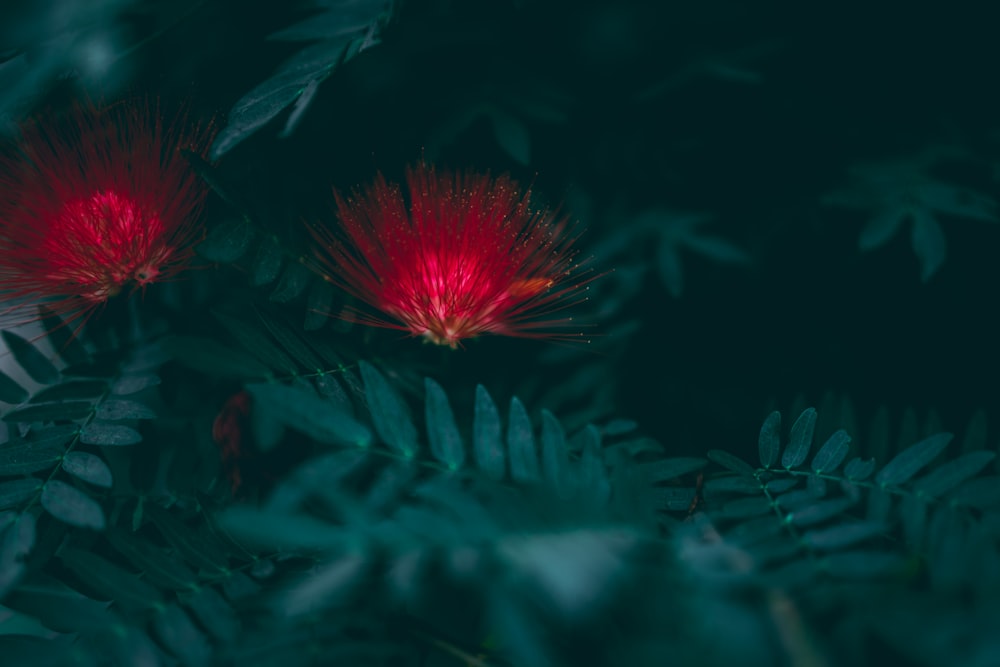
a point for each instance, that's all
(981, 493)
(214, 613)
(59, 607)
(17, 539)
(821, 511)
(911, 460)
(524, 467)
(11, 391)
(746, 507)
(35, 651)
(302, 410)
(928, 242)
(291, 341)
(319, 304)
(389, 414)
(34, 363)
(294, 280)
(487, 445)
(157, 565)
(282, 530)
(267, 262)
(950, 474)
(212, 358)
(227, 242)
(199, 552)
(49, 412)
(111, 580)
(844, 535)
(858, 469)
(881, 227)
(327, 586)
(729, 462)
(22, 457)
(71, 505)
(860, 564)
(16, 491)
(732, 484)
(832, 453)
(574, 570)
(179, 634)
(70, 391)
(256, 341)
(555, 458)
(442, 432)
(668, 469)
(344, 29)
(511, 135)
(903, 189)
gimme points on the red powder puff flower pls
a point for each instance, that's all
(461, 255)
(96, 202)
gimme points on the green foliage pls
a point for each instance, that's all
(217, 472)
(904, 190)
(339, 31)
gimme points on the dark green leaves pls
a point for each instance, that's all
(109, 435)
(768, 443)
(800, 440)
(832, 453)
(71, 505)
(844, 535)
(342, 31)
(89, 468)
(299, 408)
(11, 391)
(21, 457)
(117, 409)
(159, 566)
(442, 432)
(34, 363)
(199, 551)
(909, 462)
(213, 358)
(486, 436)
(555, 460)
(389, 414)
(49, 412)
(124, 588)
(227, 242)
(668, 469)
(16, 491)
(17, 538)
(858, 469)
(952, 473)
(730, 462)
(521, 444)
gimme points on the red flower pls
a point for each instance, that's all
(229, 430)
(459, 256)
(96, 202)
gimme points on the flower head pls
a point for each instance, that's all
(461, 254)
(94, 203)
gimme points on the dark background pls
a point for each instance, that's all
(750, 112)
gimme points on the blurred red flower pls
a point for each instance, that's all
(95, 202)
(461, 254)
(229, 431)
